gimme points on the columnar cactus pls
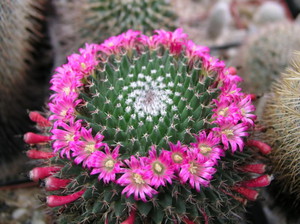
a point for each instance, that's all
(281, 117)
(147, 130)
(266, 54)
(91, 20)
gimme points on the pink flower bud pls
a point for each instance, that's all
(53, 183)
(253, 97)
(232, 71)
(32, 138)
(250, 194)
(263, 147)
(187, 221)
(131, 218)
(56, 200)
(39, 119)
(261, 181)
(37, 154)
(39, 173)
(254, 168)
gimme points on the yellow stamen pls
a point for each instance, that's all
(204, 149)
(83, 65)
(158, 168)
(177, 158)
(109, 163)
(193, 168)
(69, 137)
(138, 178)
(89, 148)
(228, 132)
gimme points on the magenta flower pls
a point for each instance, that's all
(208, 146)
(135, 180)
(197, 170)
(64, 107)
(112, 45)
(159, 169)
(193, 50)
(232, 134)
(246, 107)
(63, 135)
(107, 164)
(177, 155)
(86, 145)
(129, 38)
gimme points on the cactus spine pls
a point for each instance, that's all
(281, 117)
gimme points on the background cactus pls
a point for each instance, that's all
(147, 130)
(281, 117)
(96, 20)
(266, 54)
(21, 77)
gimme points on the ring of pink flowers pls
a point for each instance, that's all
(81, 65)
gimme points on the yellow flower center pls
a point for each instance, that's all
(193, 168)
(138, 178)
(228, 132)
(69, 137)
(89, 148)
(158, 168)
(83, 66)
(109, 163)
(177, 158)
(67, 90)
(204, 149)
(223, 111)
(63, 112)
(111, 44)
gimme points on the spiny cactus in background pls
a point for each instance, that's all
(20, 33)
(266, 54)
(91, 20)
(282, 118)
(147, 130)
(218, 20)
(269, 12)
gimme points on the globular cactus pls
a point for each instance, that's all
(91, 20)
(281, 117)
(21, 30)
(269, 12)
(147, 130)
(266, 54)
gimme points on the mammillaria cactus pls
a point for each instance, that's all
(147, 130)
(281, 118)
(91, 20)
(266, 54)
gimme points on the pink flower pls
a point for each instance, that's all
(84, 62)
(129, 38)
(208, 146)
(64, 107)
(193, 50)
(135, 180)
(197, 170)
(152, 42)
(106, 164)
(159, 169)
(112, 45)
(246, 108)
(86, 145)
(173, 40)
(63, 135)
(232, 134)
(177, 155)
(226, 109)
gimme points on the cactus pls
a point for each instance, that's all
(266, 54)
(147, 130)
(91, 20)
(281, 117)
(20, 34)
(269, 12)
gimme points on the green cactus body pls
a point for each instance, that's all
(281, 117)
(147, 130)
(266, 55)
